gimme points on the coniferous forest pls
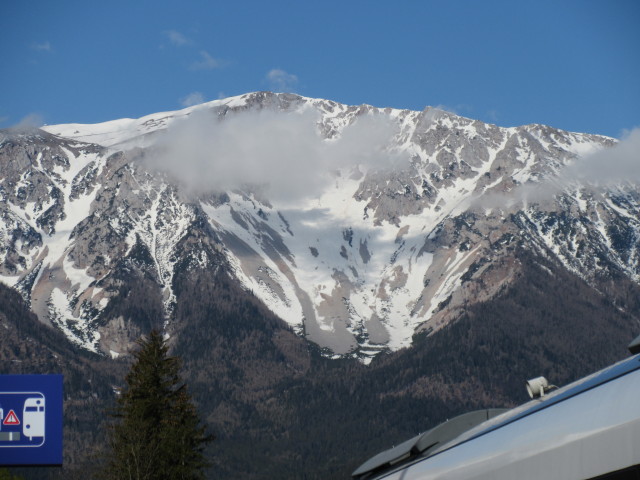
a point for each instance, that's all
(279, 409)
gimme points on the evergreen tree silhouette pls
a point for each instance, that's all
(157, 433)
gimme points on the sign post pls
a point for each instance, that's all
(30, 420)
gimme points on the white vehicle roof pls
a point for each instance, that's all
(584, 430)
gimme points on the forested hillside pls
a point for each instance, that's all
(279, 409)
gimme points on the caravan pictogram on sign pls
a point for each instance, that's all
(24, 423)
(11, 419)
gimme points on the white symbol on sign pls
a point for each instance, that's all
(33, 417)
(22, 418)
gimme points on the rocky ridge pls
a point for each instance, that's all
(378, 255)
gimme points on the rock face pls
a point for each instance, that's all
(380, 252)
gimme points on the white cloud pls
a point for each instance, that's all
(32, 120)
(493, 115)
(176, 38)
(600, 169)
(281, 81)
(42, 47)
(620, 163)
(206, 62)
(279, 153)
(194, 98)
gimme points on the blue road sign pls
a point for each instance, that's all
(30, 420)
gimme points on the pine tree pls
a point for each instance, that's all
(157, 434)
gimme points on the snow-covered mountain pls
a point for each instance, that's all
(405, 228)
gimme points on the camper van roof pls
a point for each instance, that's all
(410, 451)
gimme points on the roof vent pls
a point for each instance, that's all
(634, 347)
(537, 387)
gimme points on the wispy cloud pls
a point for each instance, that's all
(602, 168)
(206, 62)
(194, 98)
(33, 120)
(42, 47)
(281, 81)
(176, 38)
(608, 166)
(492, 115)
(447, 108)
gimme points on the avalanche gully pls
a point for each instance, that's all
(358, 226)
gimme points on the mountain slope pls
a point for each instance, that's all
(449, 235)
(397, 238)
(279, 409)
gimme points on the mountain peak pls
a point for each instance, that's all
(358, 226)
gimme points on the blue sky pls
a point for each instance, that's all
(574, 65)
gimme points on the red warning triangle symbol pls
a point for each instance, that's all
(11, 419)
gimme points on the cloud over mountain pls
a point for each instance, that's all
(283, 154)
